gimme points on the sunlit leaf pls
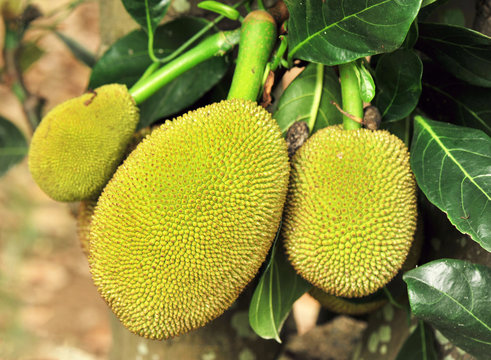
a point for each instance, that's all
(298, 99)
(452, 165)
(454, 296)
(338, 31)
(13, 145)
(273, 298)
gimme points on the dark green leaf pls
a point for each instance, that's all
(453, 17)
(420, 345)
(338, 31)
(273, 298)
(80, 52)
(127, 59)
(297, 101)
(412, 36)
(13, 145)
(138, 11)
(454, 296)
(398, 78)
(452, 165)
(30, 52)
(446, 98)
(463, 52)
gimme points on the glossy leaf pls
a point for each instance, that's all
(427, 2)
(138, 11)
(412, 36)
(445, 98)
(79, 51)
(365, 82)
(127, 60)
(13, 145)
(398, 78)
(338, 31)
(420, 345)
(463, 52)
(273, 298)
(298, 99)
(454, 296)
(452, 165)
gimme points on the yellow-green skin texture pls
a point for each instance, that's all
(79, 144)
(344, 306)
(188, 218)
(351, 210)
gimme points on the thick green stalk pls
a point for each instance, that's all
(216, 45)
(257, 39)
(350, 92)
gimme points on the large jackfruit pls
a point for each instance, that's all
(351, 210)
(188, 218)
(79, 144)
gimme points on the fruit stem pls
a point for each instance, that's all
(350, 92)
(257, 39)
(319, 86)
(215, 45)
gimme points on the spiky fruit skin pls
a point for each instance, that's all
(346, 306)
(351, 210)
(84, 219)
(188, 218)
(78, 144)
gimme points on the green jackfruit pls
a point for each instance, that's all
(351, 212)
(79, 144)
(188, 218)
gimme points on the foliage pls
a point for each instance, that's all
(433, 78)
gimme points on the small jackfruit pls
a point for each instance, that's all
(79, 144)
(187, 220)
(351, 210)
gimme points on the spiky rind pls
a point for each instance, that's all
(351, 210)
(84, 219)
(78, 145)
(188, 218)
(342, 305)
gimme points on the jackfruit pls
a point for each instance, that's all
(87, 207)
(349, 306)
(84, 219)
(187, 220)
(351, 210)
(79, 144)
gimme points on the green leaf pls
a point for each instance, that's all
(333, 32)
(427, 2)
(398, 78)
(297, 101)
(80, 52)
(454, 296)
(420, 345)
(13, 145)
(127, 60)
(365, 82)
(138, 11)
(30, 52)
(273, 298)
(452, 165)
(412, 36)
(446, 98)
(463, 52)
